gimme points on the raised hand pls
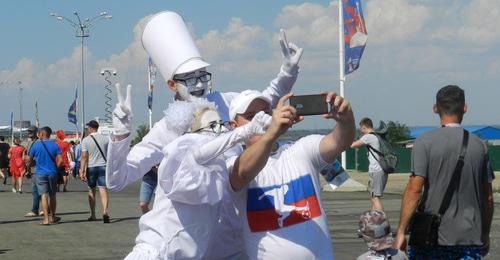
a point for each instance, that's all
(284, 116)
(122, 114)
(291, 54)
(340, 109)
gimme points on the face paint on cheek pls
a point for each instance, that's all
(183, 91)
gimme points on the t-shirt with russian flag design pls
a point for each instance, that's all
(281, 208)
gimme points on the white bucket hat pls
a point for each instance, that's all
(168, 42)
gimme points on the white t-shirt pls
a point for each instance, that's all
(281, 208)
(372, 140)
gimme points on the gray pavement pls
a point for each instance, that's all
(76, 238)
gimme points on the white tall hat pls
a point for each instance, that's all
(168, 42)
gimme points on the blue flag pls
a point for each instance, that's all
(152, 78)
(72, 109)
(12, 121)
(355, 34)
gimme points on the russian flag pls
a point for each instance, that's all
(279, 206)
(355, 34)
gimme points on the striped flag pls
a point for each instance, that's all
(152, 78)
(37, 119)
(355, 34)
(72, 109)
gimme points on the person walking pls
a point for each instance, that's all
(377, 177)
(30, 171)
(66, 156)
(452, 168)
(148, 187)
(93, 168)
(48, 158)
(17, 166)
(4, 160)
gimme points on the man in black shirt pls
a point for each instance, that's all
(4, 159)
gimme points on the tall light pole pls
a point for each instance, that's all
(82, 30)
(19, 83)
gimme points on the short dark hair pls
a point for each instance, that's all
(450, 100)
(2, 138)
(47, 130)
(365, 121)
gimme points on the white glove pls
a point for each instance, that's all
(122, 114)
(291, 55)
(222, 143)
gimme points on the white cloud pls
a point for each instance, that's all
(236, 41)
(477, 24)
(309, 24)
(392, 21)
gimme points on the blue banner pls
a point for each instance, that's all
(72, 110)
(355, 34)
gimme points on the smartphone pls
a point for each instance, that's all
(307, 105)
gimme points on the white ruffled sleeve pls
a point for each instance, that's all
(184, 180)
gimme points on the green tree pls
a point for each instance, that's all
(142, 130)
(397, 132)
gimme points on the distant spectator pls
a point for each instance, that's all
(17, 166)
(78, 157)
(66, 156)
(375, 230)
(33, 137)
(377, 179)
(148, 186)
(4, 160)
(93, 168)
(48, 158)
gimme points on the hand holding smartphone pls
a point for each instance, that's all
(307, 105)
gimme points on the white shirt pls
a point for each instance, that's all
(281, 209)
(125, 167)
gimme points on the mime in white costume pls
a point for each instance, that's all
(169, 44)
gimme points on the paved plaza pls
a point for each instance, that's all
(76, 238)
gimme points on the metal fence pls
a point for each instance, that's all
(357, 159)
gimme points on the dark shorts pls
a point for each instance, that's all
(376, 183)
(445, 252)
(96, 176)
(46, 184)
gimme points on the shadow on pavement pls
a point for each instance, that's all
(19, 221)
(3, 251)
(116, 220)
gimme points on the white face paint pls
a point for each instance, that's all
(210, 122)
(198, 89)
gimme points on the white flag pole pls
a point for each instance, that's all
(341, 63)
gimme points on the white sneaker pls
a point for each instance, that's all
(14, 190)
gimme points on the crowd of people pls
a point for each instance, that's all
(225, 188)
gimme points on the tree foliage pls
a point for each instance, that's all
(142, 130)
(397, 132)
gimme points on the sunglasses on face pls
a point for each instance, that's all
(192, 81)
(215, 127)
(250, 115)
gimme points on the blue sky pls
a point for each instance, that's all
(414, 48)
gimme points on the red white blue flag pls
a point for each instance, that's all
(355, 34)
(72, 109)
(152, 78)
(279, 206)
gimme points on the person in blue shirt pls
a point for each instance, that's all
(48, 158)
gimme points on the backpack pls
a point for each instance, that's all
(388, 159)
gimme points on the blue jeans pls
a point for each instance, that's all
(96, 176)
(36, 197)
(445, 252)
(148, 186)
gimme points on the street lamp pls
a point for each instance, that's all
(107, 73)
(19, 83)
(82, 30)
